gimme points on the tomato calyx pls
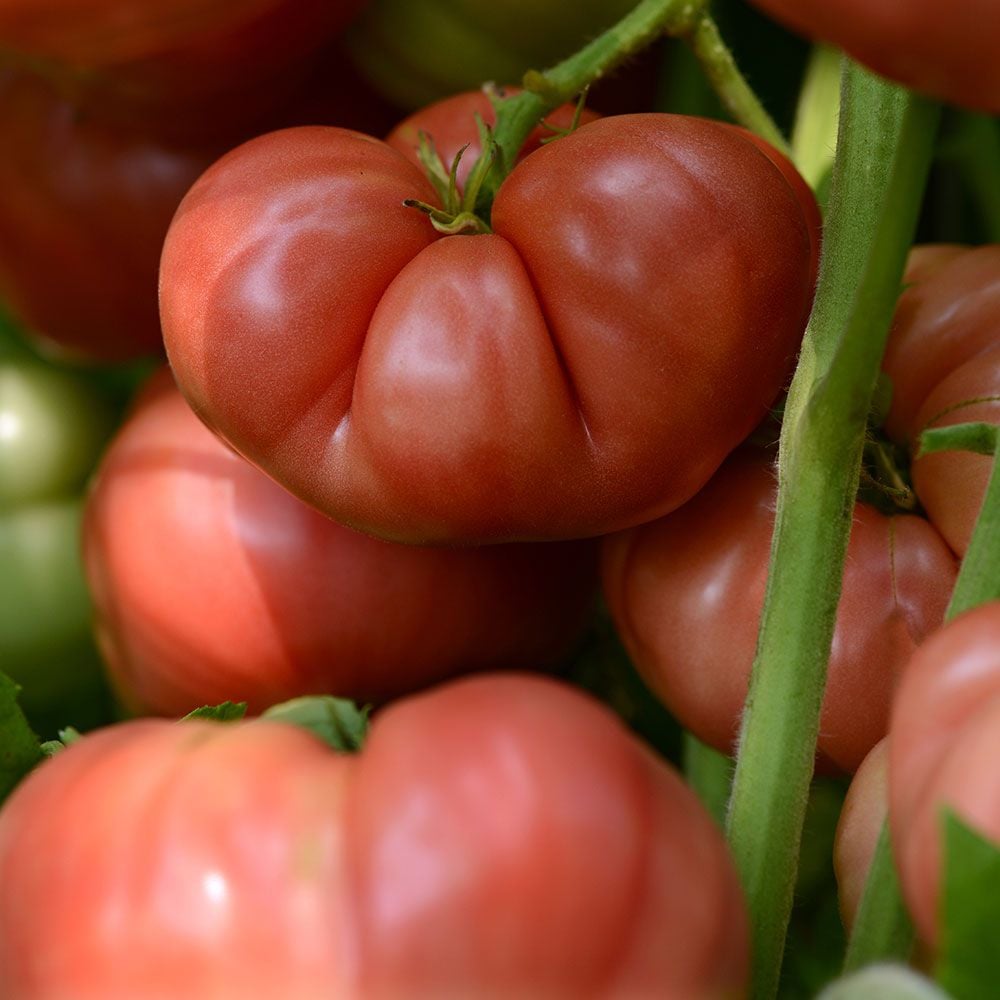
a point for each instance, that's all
(885, 480)
(459, 212)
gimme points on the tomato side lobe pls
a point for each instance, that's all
(648, 217)
(499, 836)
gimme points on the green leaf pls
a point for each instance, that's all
(19, 748)
(883, 982)
(968, 961)
(228, 711)
(336, 721)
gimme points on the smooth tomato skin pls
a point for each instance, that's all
(499, 836)
(212, 583)
(952, 57)
(686, 593)
(945, 316)
(951, 484)
(944, 745)
(943, 358)
(865, 810)
(568, 374)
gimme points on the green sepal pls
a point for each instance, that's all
(338, 722)
(19, 748)
(968, 964)
(227, 711)
(980, 438)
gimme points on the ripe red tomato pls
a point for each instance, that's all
(865, 810)
(951, 55)
(943, 358)
(585, 366)
(176, 61)
(943, 749)
(503, 836)
(686, 593)
(85, 205)
(83, 210)
(212, 583)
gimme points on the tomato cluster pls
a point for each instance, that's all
(426, 394)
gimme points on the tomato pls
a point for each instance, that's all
(952, 57)
(502, 836)
(52, 426)
(84, 208)
(418, 51)
(213, 583)
(943, 749)
(585, 366)
(865, 810)
(179, 61)
(686, 593)
(943, 358)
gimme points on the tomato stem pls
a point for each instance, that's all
(718, 65)
(884, 150)
(647, 21)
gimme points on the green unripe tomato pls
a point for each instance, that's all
(53, 424)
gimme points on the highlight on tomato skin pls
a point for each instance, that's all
(686, 594)
(949, 54)
(585, 366)
(499, 836)
(212, 583)
(943, 751)
(943, 359)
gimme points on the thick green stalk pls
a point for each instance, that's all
(883, 152)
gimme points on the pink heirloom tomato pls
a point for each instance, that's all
(502, 836)
(212, 583)
(583, 367)
(944, 744)
(950, 54)
(943, 358)
(686, 594)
